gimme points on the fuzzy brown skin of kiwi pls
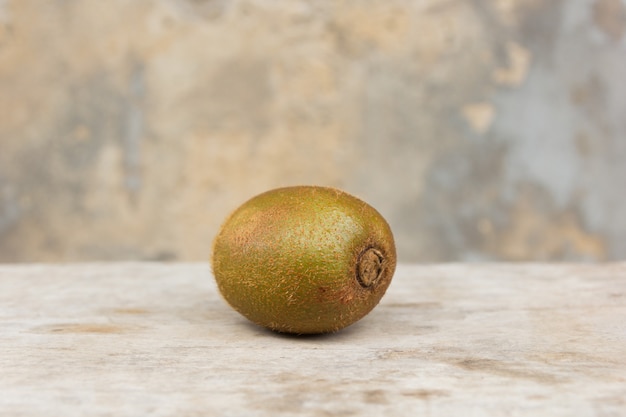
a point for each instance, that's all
(304, 259)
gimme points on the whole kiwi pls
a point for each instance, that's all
(304, 259)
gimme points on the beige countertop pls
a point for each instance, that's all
(126, 339)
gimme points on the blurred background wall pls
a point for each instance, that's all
(481, 129)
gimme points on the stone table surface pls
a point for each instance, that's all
(131, 339)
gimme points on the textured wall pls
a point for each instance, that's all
(481, 129)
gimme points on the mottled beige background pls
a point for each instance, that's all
(481, 129)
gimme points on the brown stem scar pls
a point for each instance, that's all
(369, 267)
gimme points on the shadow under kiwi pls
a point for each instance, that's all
(346, 332)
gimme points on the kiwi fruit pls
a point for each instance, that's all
(304, 259)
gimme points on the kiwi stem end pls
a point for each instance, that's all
(369, 267)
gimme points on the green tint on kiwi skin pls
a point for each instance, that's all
(304, 259)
